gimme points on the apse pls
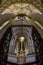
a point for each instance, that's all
(21, 44)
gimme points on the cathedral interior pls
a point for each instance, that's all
(21, 32)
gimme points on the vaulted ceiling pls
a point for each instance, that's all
(32, 8)
(31, 3)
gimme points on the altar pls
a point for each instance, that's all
(21, 49)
